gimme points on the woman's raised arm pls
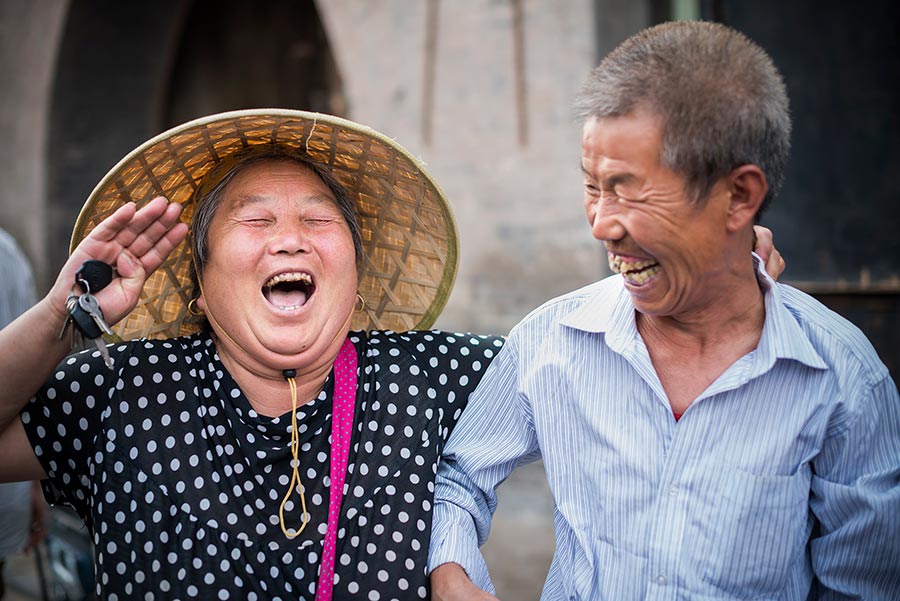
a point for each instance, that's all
(135, 242)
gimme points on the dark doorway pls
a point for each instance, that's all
(235, 54)
(836, 219)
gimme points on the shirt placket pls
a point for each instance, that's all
(670, 514)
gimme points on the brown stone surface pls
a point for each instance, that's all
(521, 543)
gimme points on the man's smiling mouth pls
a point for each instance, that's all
(289, 291)
(635, 272)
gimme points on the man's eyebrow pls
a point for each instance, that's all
(611, 181)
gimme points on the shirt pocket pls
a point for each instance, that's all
(756, 533)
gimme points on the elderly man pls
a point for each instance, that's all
(707, 433)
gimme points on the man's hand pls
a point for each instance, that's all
(449, 582)
(765, 248)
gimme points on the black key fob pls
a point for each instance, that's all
(93, 276)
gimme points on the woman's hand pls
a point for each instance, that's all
(135, 242)
(765, 248)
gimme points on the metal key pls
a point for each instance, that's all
(90, 304)
(70, 301)
(85, 313)
(82, 320)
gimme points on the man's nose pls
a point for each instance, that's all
(606, 220)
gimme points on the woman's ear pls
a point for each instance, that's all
(748, 187)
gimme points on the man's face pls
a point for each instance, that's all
(668, 249)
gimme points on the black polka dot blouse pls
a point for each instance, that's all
(179, 480)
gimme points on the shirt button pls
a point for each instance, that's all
(661, 580)
(673, 491)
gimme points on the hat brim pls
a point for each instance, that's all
(409, 235)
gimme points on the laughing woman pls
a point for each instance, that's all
(262, 432)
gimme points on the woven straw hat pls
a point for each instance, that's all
(408, 234)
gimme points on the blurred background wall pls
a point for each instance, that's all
(481, 90)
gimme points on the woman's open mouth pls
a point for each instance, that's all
(289, 291)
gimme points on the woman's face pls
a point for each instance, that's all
(280, 277)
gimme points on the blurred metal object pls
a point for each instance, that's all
(65, 561)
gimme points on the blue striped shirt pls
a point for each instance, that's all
(781, 480)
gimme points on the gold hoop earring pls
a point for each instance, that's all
(193, 309)
(360, 305)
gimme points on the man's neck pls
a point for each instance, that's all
(691, 350)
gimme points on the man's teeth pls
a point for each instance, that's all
(634, 272)
(639, 277)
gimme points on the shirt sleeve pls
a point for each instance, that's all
(493, 436)
(856, 498)
(63, 422)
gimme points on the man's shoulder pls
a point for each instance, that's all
(839, 342)
(554, 310)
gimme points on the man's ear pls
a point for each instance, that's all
(748, 187)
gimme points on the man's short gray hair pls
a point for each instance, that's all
(722, 101)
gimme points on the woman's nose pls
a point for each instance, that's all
(289, 238)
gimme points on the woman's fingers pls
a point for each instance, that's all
(136, 242)
(140, 231)
(764, 242)
(775, 264)
(148, 228)
(765, 248)
(147, 253)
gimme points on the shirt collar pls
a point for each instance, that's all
(782, 336)
(608, 309)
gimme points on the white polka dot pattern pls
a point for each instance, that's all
(179, 480)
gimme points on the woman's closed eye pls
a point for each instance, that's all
(257, 221)
(319, 220)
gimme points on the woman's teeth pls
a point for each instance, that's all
(288, 291)
(289, 277)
